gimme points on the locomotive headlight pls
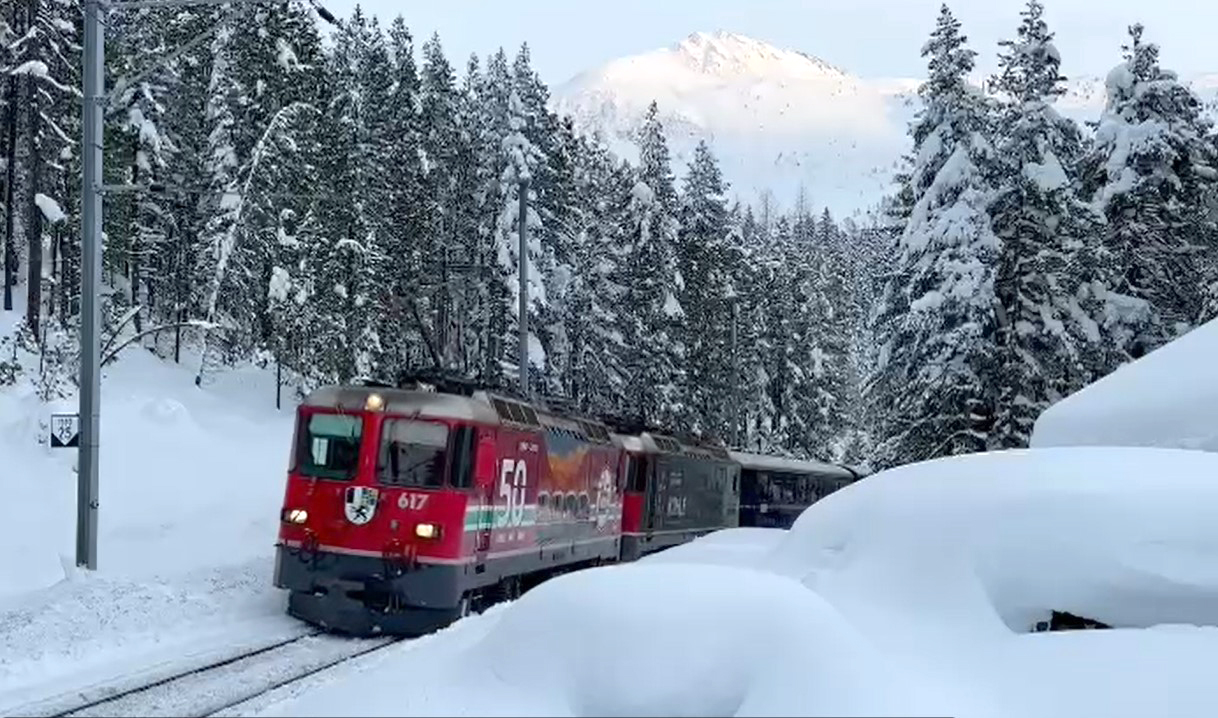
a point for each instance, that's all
(295, 516)
(374, 402)
(427, 531)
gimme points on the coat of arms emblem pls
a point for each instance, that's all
(360, 504)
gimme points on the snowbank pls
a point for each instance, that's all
(1166, 399)
(189, 478)
(976, 547)
(662, 639)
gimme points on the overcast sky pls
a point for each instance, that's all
(872, 38)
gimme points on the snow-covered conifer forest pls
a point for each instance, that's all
(337, 210)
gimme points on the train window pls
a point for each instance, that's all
(329, 447)
(412, 453)
(516, 413)
(530, 416)
(463, 458)
(585, 506)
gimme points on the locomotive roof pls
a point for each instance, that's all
(481, 407)
(655, 443)
(404, 401)
(778, 463)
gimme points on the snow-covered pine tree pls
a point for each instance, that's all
(449, 218)
(172, 278)
(471, 248)
(523, 158)
(564, 220)
(758, 265)
(258, 113)
(782, 428)
(401, 223)
(1047, 332)
(592, 375)
(493, 90)
(829, 318)
(937, 314)
(652, 316)
(138, 136)
(706, 295)
(533, 147)
(866, 244)
(352, 282)
(1149, 172)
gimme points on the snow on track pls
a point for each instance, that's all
(220, 684)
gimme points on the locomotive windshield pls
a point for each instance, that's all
(412, 453)
(329, 446)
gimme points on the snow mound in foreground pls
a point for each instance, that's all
(1164, 399)
(664, 639)
(978, 546)
(678, 639)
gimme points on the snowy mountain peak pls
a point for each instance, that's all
(726, 53)
(775, 118)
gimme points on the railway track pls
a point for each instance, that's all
(217, 685)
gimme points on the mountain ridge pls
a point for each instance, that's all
(778, 119)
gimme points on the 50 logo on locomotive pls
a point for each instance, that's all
(513, 484)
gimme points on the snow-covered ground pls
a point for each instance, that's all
(191, 483)
(909, 593)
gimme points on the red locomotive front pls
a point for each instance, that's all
(406, 509)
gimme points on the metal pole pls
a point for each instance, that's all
(523, 262)
(90, 281)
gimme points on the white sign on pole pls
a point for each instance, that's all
(65, 431)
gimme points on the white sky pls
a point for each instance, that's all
(871, 38)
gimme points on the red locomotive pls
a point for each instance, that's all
(406, 509)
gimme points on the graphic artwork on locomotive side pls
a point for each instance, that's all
(404, 509)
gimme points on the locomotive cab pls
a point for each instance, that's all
(374, 513)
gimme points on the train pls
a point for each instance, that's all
(412, 505)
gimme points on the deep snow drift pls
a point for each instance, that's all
(1167, 398)
(909, 593)
(648, 639)
(191, 482)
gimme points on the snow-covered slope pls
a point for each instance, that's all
(190, 490)
(776, 118)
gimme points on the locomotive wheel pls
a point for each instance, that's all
(508, 589)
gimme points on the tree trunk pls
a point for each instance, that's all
(135, 266)
(55, 259)
(180, 288)
(33, 229)
(9, 258)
